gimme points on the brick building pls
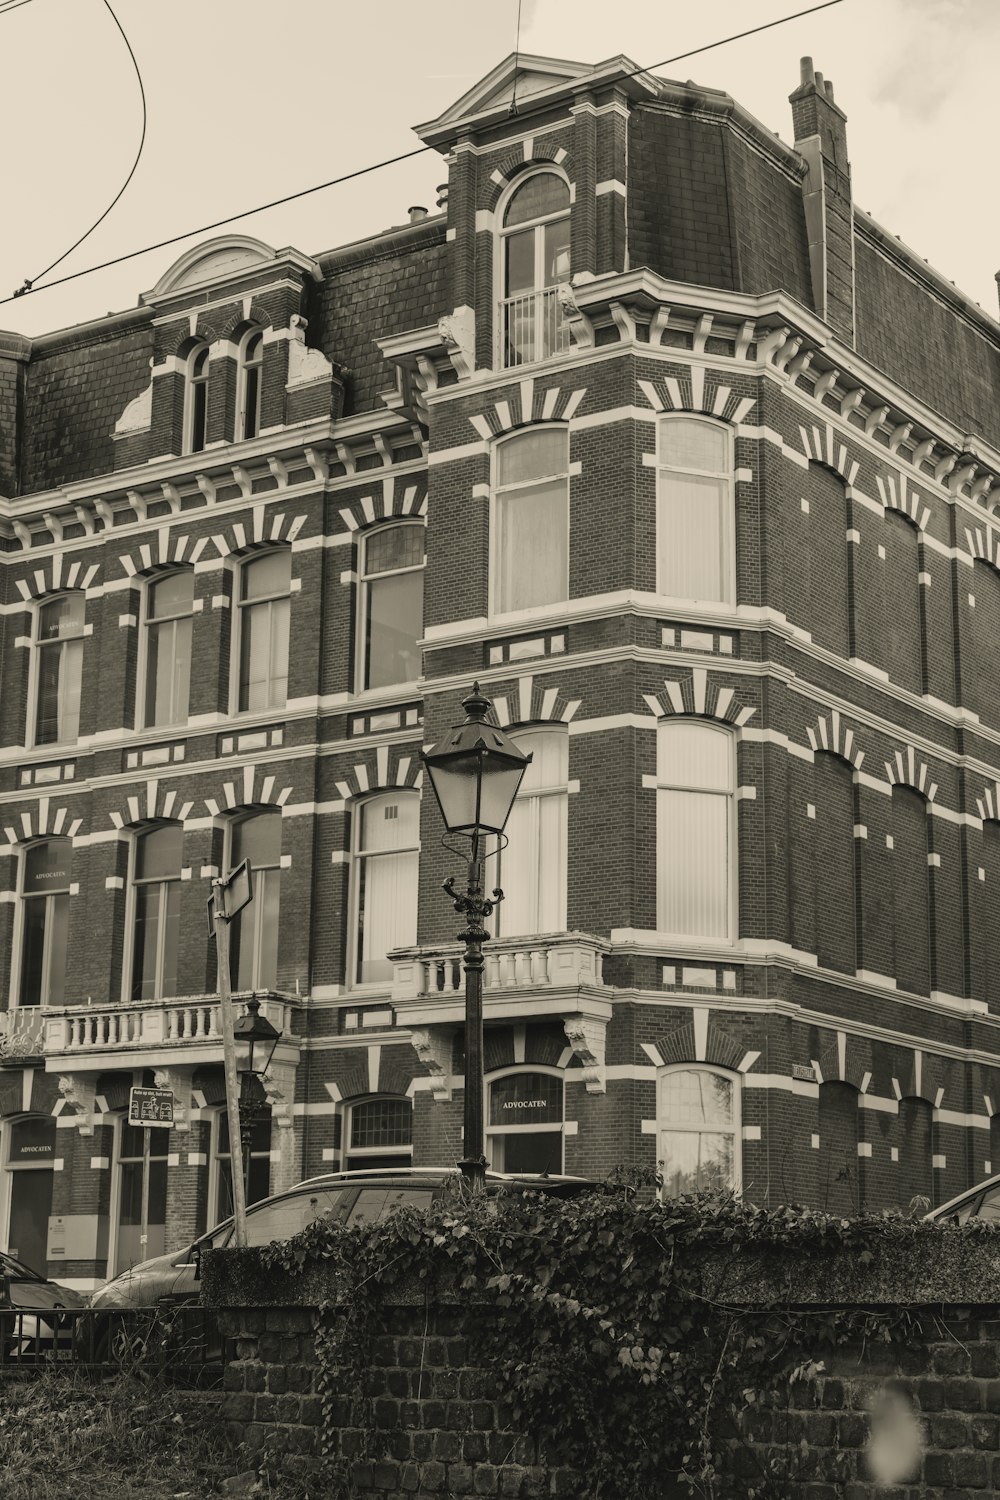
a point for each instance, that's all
(691, 463)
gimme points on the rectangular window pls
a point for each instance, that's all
(386, 864)
(533, 864)
(531, 520)
(264, 631)
(695, 519)
(698, 1139)
(392, 592)
(254, 952)
(45, 922)
(694, 830)
(168, 654)
(59, 664)
(156, 912)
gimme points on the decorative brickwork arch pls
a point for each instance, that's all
(833, 736)
(242, 319)
(43, 821)
(698, 694)
(706, 1035)
(154, 804)
(551, 405)
(530, 703)
(261, 531)
(819, 447)
(921, 1075)
(905, 770)
(983, 546)
(896, 495)
(166, 550)
(379, 770)
(988, 805)
(844, 1058)
(385, 501)
(532, 155)
(247, 792)
(56, 575)
(700, 392)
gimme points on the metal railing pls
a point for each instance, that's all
(21, 1032)
(533, 326)
(180, 1341)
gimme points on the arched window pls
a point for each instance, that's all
(29, 1158)
(254, 950)
(196, 400)
(839, 1179)
(129, 1250)
(45, 870)
(533, 865)
(264, 618)
(391, 603)
(695, 830)
(911, 890)
(384, 882)
(379, 1134)
(836, 920)
(250, 381)
(904, 611)
(829, 577)
(529, 546)
(916, 1166)
(698, 1130)
(524, 1131)
(256, 1162)
(169, 613)
(696, 510)
(535, 258)
(59, 669)
(156, 908)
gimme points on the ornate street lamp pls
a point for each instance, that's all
(255, 1040)
(475, 773)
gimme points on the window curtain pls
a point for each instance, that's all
(693, 830)
(534, 863)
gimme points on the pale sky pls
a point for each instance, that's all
(249, 100)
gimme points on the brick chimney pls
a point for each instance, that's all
(821, 139)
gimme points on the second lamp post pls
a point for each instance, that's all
(475, 772)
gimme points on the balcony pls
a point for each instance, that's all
(21, 1033)
(152, 1032)
(523, 976)
(533, 326)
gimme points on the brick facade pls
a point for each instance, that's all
(715, 272)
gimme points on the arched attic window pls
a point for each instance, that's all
(196, 399)
(534, 256)
(249, 384)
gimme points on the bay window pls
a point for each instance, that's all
(169, 606)
(386, 857)
(264, 617)
(59, 669)
(45, 868)
(695, 510)
(698, 1130)
(391, 605)
(530, 522)
(156, 902)
(695, 830)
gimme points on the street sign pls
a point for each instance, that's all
(151, 1107)
(234, 891)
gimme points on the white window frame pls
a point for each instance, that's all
(736, 1082)
(214, 1169)
(120, 1120)
(372, 1153)
(191, 381)
(241, 384)
(244, 815)
(128, 956)
(364, 584)
(557, 606)
(146, 622)
(491, 1132)
(728, 529)
(354, 897)
(17, 946)
(7, 1167)
(523, 738)
(35, 671)
(240, 607)
(732, 834)
(502, 234)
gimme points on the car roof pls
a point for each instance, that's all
(960, 1198)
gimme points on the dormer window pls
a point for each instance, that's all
(196, 402)
(248, 400)
(535, 259)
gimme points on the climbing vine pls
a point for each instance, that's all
(604, 1323)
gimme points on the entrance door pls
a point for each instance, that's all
(129, 1251)
(30, 1152)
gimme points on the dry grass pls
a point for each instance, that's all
(64, 1436)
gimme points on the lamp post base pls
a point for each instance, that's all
(473, 1170)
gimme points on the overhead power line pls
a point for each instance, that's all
(28, 284)
(14, 5)
(377, 166)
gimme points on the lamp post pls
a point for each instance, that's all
(255, 1040)
(475, 772)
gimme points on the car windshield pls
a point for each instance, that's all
(15, 1270)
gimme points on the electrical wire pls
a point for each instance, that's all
(517, 54)
(14, 5)
(28, 284)
(247, 213)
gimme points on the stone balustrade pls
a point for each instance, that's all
(147, 1024)
(548, 961)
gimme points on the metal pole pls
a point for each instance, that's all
(144, 1221)
(221, 926)
(473, 1163)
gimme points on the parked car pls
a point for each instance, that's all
(25, 1298)
(347, 1198)
(980, 1202)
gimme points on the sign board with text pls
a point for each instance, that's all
(151, 1107)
